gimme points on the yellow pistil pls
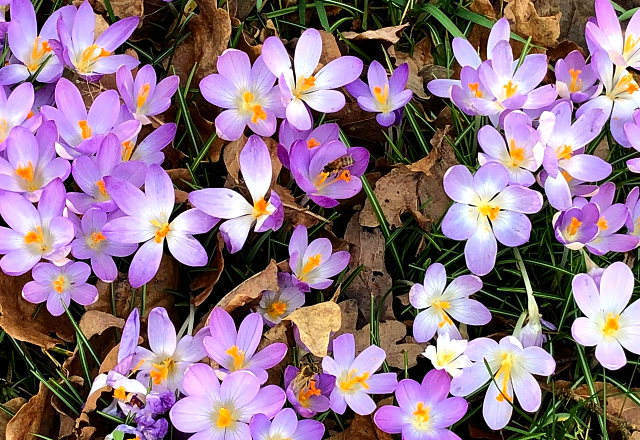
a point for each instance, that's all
(516, 153)
(101, 188)
(602, 224)
(475, 88)
(611, 325)
(160, 372)
(224, 418)
(238, 357)
(576, 83)
(505, 371)
(421, 413)
(120, 393)
(310, 391)
(381, 95)
(162, 232)
(572, 229)
(143, 94)
(353, 379)
(630, 44)
(85, 129)
(321, 178)
(313, 262)
(491, 211)
(38, 50)
(312, 143)
(25, 172)
(59, 284)
(137, 367)
(441, 306)
(127, 150)
(510, 89)
(277, 309)
(564, 152)
(260, 207)
(249, 105)
(36, 236)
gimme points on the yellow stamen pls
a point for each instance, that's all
(510, 89)
(321, 178)
(59, 284)
(36, 236)
(97, 237)
(611, 325)
(161, 371)
(313, 262)
(312, 143)
(516, 153)
(422, 413)
(567, 176)
(381, 96)
(101, 188)
(120, 393)
(344, 175)
(224, 418)
(311, 391)
(352, 379)
(491, 211)
(277, 309)
(258, 113)
(162, 233)
(85, 129)
(30, 114)
(572, 229)
(143, 94)
(89, 57)
(475, 88)
(505, 371)
(441, 306)
(238, 357)
(38, 50)
(260, 207)
(137, 367)
(444, 357)
(127, 150)
(306, 83)
(26, 172)
(630, 44)
(602, 224)
(576, 83)
(564, 152)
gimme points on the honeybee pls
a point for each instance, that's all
(335, 166)
(308, 371)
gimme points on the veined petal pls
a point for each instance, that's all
(221, 203)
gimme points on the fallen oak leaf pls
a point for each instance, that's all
(211, 31)
(250, 290)
(121, 8)
(316, 324)
(37, 416)
(526, 22)
(386, 34)
(390, 333)
(95, 322)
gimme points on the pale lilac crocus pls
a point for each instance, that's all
(313, 398)
(164, 365)
(575, 79)
(247, 94)
(222, 411)
(439, 303)
(633, 221)
(564, 157)
(147, 222)
(145, 96)
(576, 226)
(632, 132)
(236, 350)
(288, 135)
(487, 209)
(313, 264)
(92, 57)
(323, 183)
(89, 173)
(448, 355)
(382, 95)
(424, 410)
(255, 164)
(512, 368)
(33, 233)
(517, 155)
(58, 285)
(609, 324)
(274, 306)
(14, 109)
(305, 87)
(355, 376)
(285, 425)
(621, 97)
(31, 161)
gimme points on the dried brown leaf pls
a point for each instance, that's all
(422, 53)
(122, 8)
(251, 289)
(619, 405)
(362, 428)
(330, 49)
(95, 322)
(527, 22)
(387, 34)
(294, 214)
(415, 83)
(391, 332)
(211, 31)
(208, 279)
(315, 324)
(12, 405)
(37, 416)
(179, 176)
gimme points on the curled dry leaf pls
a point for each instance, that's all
(415, 83)
(315, 324)
(211, 31)
(95, 322)
(295, 214)
(250, 290)
(527, 22)
(391, 332)
(362, 428)
(387, 34)
(208, 279)
(121, 8)
(37, 416)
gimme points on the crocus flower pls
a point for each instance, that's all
(424, 410)
(147, 222)
(274, 306)
(482, 199)
(608, 324)
(165, 364)
(633, 221)
(563, 156)
(313, 264)
(517, 155)
(91, 243)
(512, 368)
(441, 302)
(89, 173)
(247, 93)
(605, 34)
(14, 109)
(448, 355)
(315, 138)
(576, 226)
(313, 398)
(285, 425)
(223, 410)
(236, 350)
(332, 174)
(356, 378)
(306, 88)
(632, 132)
(620, 99)
(145, 96)
(31, 161)
(255, 164)
(575, 79)
(92, 57)
(383, 95)
(33, 234)
(58, 285)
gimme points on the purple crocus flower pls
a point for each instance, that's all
(236, 350)
(424, 410)
(633, 221)
(274, 306)
(313, 398)
(355, 376)
(605, 34)
(304, 87)
(285, 425)
(31, 161)
(621, 97)
(60, 284)
(518, 154)
(33, 234)
(607, 325)
(576, 226)
(575, 79)
(247, 93)
(91, 243)
(314, 263)
(255, 164)
(439, 302)
(14, 109)
(632, 132)
(487, 209)
(223, 410)
(145, 96)
(147, 222)
(332, 174)
(287, 135)
(92, 57)
(89, 173)
(165, 364)
(383, 95)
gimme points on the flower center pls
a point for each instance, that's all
(381, 95)
(163, 230)
(444, 357)
(161, 371)
(277, 309)
(353, 379)
(59, 284)
(36, 237)
(258, 112)
(602, 224)
(611, 325)
(85, 129)
(421, 413)
(475, 88)
(262, 207)
(26, 174)
(510, 89)
(38, 50)
(441, 307)
(304, 85)
(89, 56)
(626, 83)
(572, 229)
(310, 391)
(224, 418)
(630, 44)
(238, 357)
(564, 152)
(120, 393)
(143, 94)
(490, 211)
(516, 153)
(101, 188)
(312, 262)
(312, 143)
(95, 239)
(505, 372)
(576, 83)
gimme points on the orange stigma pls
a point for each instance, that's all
(85, 129)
